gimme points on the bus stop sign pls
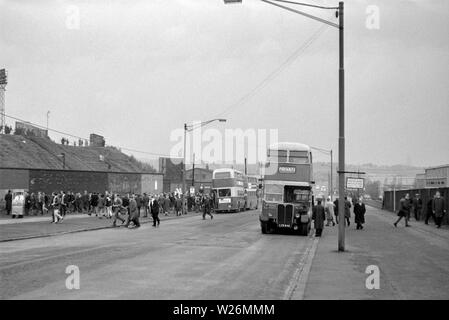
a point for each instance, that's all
(354, 183)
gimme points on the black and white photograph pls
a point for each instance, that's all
(227, 158)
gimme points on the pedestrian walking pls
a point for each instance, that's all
(146, 204)
(108, 205)
(318, 217)
(429, 211)
(207, 205)
(155, 212)
(438, 208)
(101, 205)
(94, 203)
(404, 210)
(347, 211)
(27, 206)
(336, 210)
(329, 209)
(359, 214)
(133, 212)
(178, 205)
(56, 205)
(417, 206)
(117, 206)
(8, 202)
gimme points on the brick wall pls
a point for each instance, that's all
(124, 183)
(77, 181)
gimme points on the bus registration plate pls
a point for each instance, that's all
(225, 200)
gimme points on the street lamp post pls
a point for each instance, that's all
(341, 93)
(190, 128)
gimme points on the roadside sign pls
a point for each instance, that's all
(354, 183)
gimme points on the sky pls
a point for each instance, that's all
(136, 71)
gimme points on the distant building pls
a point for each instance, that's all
(420, 181)
(172, 171)
(96, 140)
(437, 177)
(26, 128)
(201, 181)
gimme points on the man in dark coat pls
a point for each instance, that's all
(347, 210)
(359, 213)
(8, 200)
(438, 208)
(336, 210)
(404, 210)
(133, 212)
(178, 205)
(146, 204)
(207, 205)
(429, 211)
(417, 206)
(155, 212)
(318, 217)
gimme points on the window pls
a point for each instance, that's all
(298, 157)
(277, 155)
(273, 192)
(222, 175)
(224, 192)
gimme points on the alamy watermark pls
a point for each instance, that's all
(73, 280)
(373, 280)
(231, 147)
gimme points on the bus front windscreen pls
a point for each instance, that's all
(273, 192)
(224, 193)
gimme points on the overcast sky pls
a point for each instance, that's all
(134, 71)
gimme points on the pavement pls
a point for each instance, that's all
(39, 226)
(413, 262)
(228, 258)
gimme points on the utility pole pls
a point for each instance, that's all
(332, 174)
(341, 138)
(193, 172)
(184, 173)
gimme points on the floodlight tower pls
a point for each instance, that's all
(3, 83)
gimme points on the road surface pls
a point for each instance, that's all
(188, 258)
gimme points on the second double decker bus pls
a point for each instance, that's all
(287, 182)
(229, 187)
(251, 192)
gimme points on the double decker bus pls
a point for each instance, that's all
(229, 187)
(287, 183)
(251, 192)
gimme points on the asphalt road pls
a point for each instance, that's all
(189, 258)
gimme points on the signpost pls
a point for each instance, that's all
(355, 183)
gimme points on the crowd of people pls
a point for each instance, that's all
(435, 209)
(326, 212)
(126, 208)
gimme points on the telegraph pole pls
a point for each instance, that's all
(341, 137)
(193, 172)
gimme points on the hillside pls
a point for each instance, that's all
(18, 151)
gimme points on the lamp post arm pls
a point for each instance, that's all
(302, 13)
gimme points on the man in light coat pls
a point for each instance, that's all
(329, 209)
